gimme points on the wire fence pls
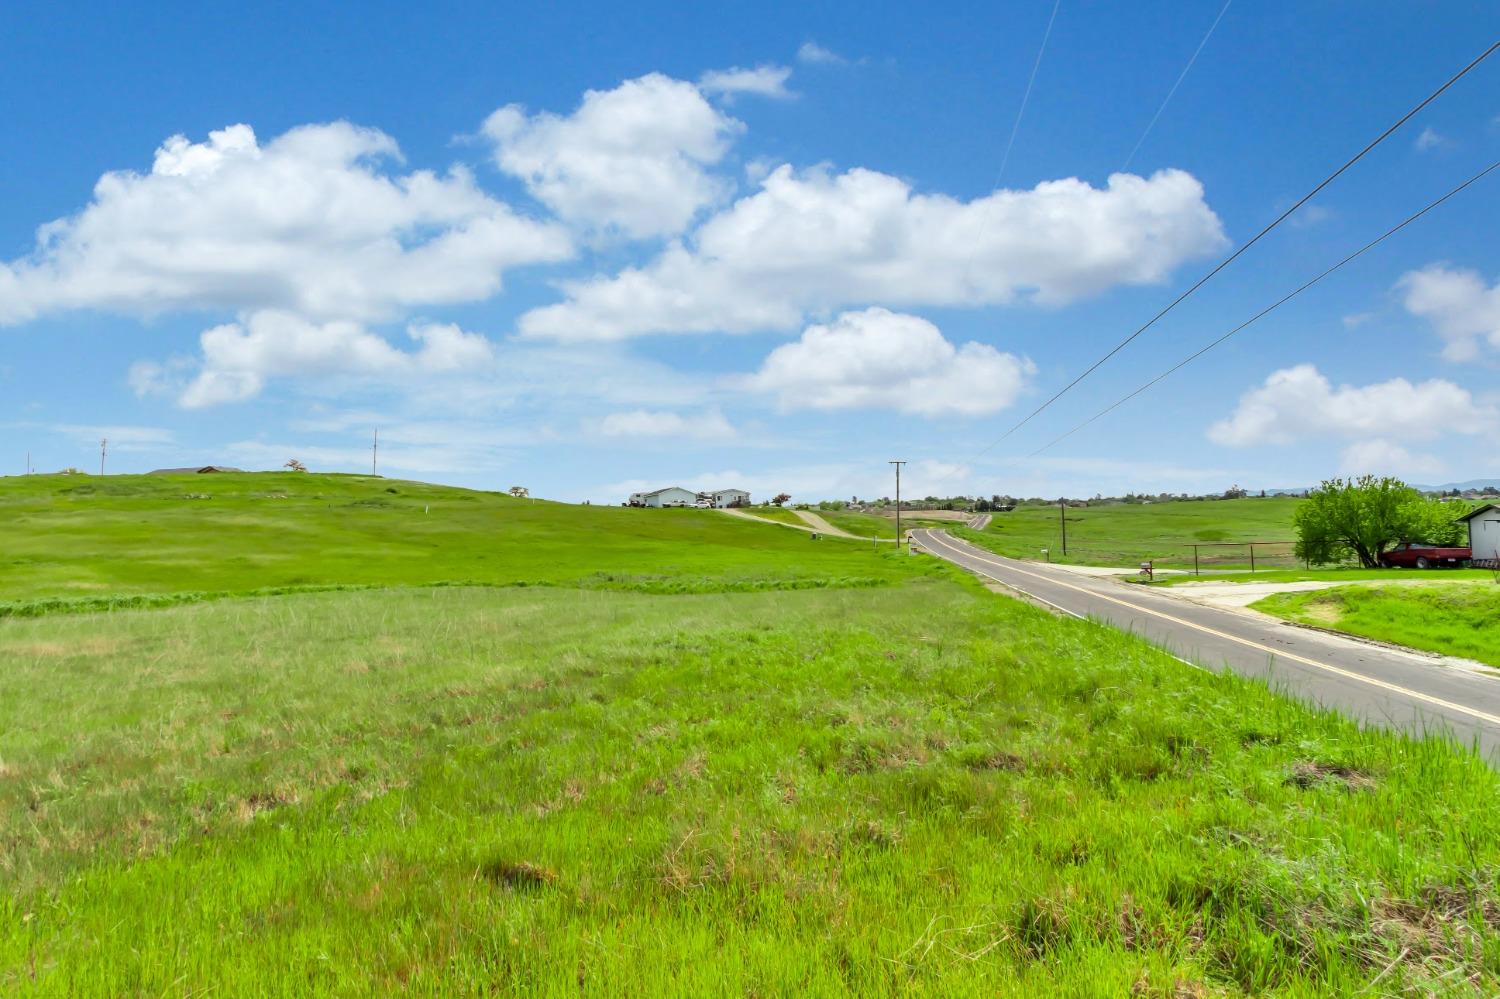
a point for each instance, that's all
(1217, 556)
(1196, 557)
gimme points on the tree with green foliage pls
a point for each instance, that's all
(1365, 516)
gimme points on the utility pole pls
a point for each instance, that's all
(375, 452)
(103, 450)
(28, 462)
(1062, 517)
(898, 465)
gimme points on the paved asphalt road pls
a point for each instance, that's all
(1376, 685)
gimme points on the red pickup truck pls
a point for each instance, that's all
(1418, 555)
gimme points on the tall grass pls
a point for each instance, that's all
(906, 789)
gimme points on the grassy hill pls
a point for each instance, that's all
(77, 537)
(709, 757)
(1125, 534)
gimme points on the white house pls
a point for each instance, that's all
(1484, 532)
(721, 498)
(670, 496)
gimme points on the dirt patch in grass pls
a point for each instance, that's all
(518, 875)
(1312, 773)
(1178, 988)
(872, 833)
(263, 801)
(998, 760)
(1323, 610)
(1439, 936)
(1040, 926)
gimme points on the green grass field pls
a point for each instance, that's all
(82, 539)
(1459, 620)
(1127, 534)
(750, 776)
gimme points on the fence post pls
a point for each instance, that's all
(1195, 560)
(1252, 558)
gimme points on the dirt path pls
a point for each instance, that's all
(1235, 596)
(813, 524)
(824, 527)
(762, 520)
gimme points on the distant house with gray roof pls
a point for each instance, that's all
(195, 470)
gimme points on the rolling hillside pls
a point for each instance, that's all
(71, 537)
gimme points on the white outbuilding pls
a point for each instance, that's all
(670, 496)
(1484, 532)
(721, 498)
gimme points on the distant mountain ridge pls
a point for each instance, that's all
(1446, 487)
(1460, 486)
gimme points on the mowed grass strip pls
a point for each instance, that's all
(85, 538)
(1349, 574)
(917, 789)
(1457, 620)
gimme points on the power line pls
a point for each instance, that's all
(1269, 309)
(1026, 98)
(1236, 254)
(1171, 93)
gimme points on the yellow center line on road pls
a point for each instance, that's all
(1337, 670)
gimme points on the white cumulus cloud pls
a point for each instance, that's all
(1300, 402)
(812, 240)
(1463, 310)
(238, 358)
(813, 54)
(762, 81)
(878, 359)
(310, 221)
(1430, 139)
(709, 425)
(1383, 457)
(635, 159)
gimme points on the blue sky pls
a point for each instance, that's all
(589, 249)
